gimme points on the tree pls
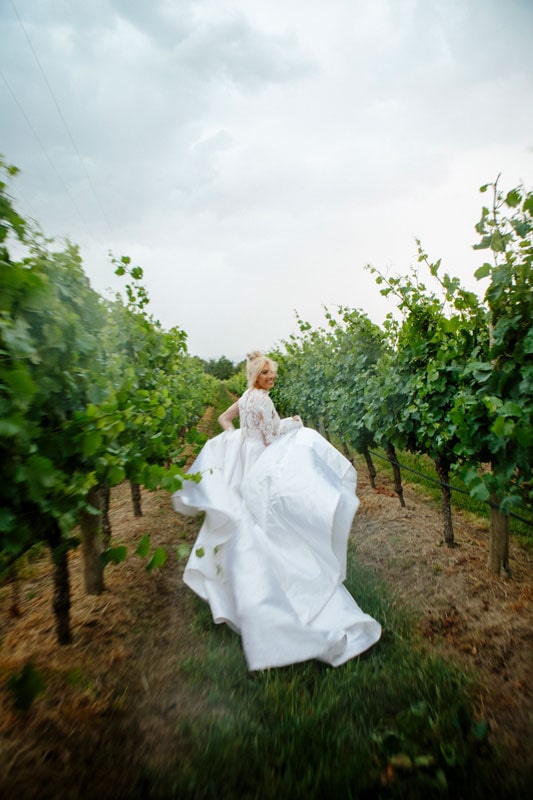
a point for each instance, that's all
(221, 368)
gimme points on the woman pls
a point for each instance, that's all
(270, 558)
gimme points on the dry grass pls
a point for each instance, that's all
(483, 620)
(116, 698)
(92, 685)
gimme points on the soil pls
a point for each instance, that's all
(114, 699)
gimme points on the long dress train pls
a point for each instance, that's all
(270, 558)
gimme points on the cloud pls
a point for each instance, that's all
(253, 156)
(138, 93)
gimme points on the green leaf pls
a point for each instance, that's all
(512, 408)
(497, 242)
(114, 555)
(483, 271)
(183, 551)
(479, 491)
(40, 474)
(503, 427)
(200, 552)
(115, 475)
(11, 426)
(20, 382)
(144, 546)
(513, 198)
(528, 204)
(158, 559)
(484, 244)
(91, 443)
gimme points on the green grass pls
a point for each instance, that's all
(224, 400)
(396, 722)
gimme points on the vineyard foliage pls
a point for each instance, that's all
(94, 391)
(238, 382)
(91, 392)
(449, 375)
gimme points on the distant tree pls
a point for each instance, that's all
(221, 368)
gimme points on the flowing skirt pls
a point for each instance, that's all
(270, 558)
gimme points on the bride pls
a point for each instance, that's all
(270, 558)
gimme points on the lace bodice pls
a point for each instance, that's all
(258, 417)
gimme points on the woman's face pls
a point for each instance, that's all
(266, 378)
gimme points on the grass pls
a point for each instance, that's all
(224, 400)
(396, 722)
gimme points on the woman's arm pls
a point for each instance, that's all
(225, 419)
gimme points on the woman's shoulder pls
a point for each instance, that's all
(255, 396)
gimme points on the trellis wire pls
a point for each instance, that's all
(447, 485)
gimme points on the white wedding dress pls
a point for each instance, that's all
(270, 558)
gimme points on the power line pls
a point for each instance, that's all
(61, 116)
(43, 148)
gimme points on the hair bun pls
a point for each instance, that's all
(254, 354)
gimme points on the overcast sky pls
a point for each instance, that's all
(253, 155)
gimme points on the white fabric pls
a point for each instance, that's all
(270, 558)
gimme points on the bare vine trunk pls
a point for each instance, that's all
(136, 499)
(61, 601)
(498, 541)
(442, 466)
(105, 495)
(92, 545)
(368, 459)
(346, 451)
(391, 455)
(370, 467)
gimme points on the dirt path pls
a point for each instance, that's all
(117, 697)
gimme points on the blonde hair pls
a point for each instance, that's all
(255, 363)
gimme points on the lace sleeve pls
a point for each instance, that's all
(268, 420)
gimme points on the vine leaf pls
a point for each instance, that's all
(158, 559)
